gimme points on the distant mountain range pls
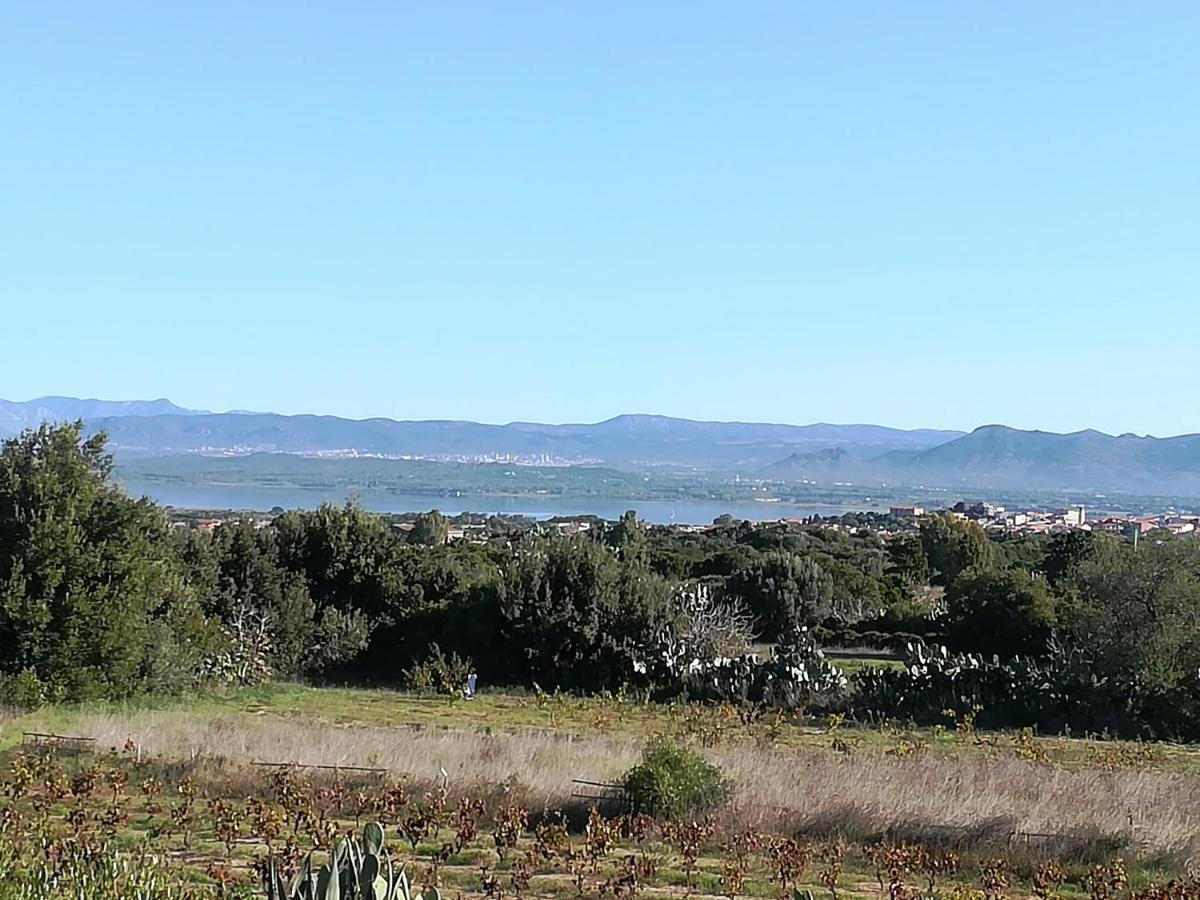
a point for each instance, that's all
(998, 457)
(625, 441)
(14, 417)
(993, 456)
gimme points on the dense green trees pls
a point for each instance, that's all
(783, 591)
(99, 597)
(1006, 613)
(907, 557)
(93, 599)
(238, 569)
(628, 537)
(350, 560)
(953, 545)
(1066, 552)
(1134, 619)
(308, 577)
(431, 529)
(576, 614)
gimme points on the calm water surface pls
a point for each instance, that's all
(684, 512)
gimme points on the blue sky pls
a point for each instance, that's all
(917, 214)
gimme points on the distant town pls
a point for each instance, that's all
(994, 518)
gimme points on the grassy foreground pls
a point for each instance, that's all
(583, 717)
(1011, 800)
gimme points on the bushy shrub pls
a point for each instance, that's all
(438, 673)
(22, 691)
(673, 781)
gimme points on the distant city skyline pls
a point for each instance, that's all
(919, 216)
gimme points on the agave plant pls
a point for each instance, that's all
(355, 871)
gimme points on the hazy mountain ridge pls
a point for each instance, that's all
(993, 456)
(630, 441)
(624, 441)
(1008, 458)
(16, 416)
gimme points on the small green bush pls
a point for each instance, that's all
(438, 673)
(673, 781)
(23, 691)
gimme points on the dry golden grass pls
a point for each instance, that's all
(966, 801)
(969, 801)
(540, 761)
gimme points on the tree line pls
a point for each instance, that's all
(100, 597)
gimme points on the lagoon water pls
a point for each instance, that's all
(260, 497)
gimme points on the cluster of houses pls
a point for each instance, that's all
(994, 517)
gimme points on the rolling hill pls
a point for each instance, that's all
(16, 416)
(624, 441)
(999, 457)
(993, 456)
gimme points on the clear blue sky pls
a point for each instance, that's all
(917, 214)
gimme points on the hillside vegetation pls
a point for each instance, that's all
(101, 599)
(658, 714)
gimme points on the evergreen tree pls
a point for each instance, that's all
(93, 597)
(953, 545)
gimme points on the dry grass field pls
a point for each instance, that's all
(921, 795)
(1079, 798)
